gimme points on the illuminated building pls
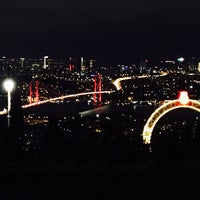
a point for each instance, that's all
(45, 62)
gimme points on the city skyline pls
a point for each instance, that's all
(107, 29)
(72, 119)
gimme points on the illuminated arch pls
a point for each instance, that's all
(162, 110)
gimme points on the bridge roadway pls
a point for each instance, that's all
(3, 112)
(117, 82)
(63, 97)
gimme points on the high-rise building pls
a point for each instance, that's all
(143, 66)
(198, 67)
(82, 64)
(22, 63)
(45, 62)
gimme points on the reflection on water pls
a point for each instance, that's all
(100, 110)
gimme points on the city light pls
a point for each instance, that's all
(183, 97)
(181, 59)
(9, 86)
(45, 62)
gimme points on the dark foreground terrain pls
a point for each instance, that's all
(77, 177)
(89, 169)
(98, 180)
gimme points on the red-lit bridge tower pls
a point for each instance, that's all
(97, 89)
(34, 94)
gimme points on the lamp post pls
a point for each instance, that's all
(9, 86)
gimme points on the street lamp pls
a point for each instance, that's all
(9, 85)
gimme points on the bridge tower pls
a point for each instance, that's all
(34, 94)
(97, 89)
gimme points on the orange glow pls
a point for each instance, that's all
(183, 97)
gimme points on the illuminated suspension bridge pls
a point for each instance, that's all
(97, 93)
(63, 97)
(35, 101)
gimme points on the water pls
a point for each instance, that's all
(112, 131)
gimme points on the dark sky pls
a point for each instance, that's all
(100, 28)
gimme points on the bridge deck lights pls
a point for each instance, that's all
(183, 97)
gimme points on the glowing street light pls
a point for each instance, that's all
(9, 85)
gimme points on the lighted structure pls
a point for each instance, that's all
(182, 102)
(59, 98)
(22, 62)
(71, 66)
(9, 86)
(181, 59)
(97, 89)
(117, 82)
(198, 68)
(82, 64)
(45, 62)
(34, 93)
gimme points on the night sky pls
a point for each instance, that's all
(122, 29)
